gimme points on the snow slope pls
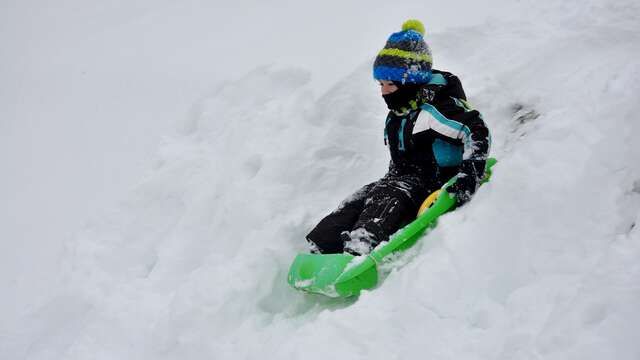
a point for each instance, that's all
(90, 88)
(541, 265)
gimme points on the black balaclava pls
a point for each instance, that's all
(399, 100)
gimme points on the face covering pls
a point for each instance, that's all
(400, 98)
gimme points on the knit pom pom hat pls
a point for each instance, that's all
(406, 58)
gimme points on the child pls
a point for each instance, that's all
(432, 134)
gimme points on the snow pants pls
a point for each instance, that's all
(380, 208)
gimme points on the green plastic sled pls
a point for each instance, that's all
(344, 275)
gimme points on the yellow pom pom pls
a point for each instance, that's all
(414, 25)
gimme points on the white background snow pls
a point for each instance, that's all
(162, 161)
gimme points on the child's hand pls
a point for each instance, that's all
(464, 188)
(468, 180)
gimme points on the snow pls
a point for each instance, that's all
(252, 150)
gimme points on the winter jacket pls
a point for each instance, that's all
(441, 134)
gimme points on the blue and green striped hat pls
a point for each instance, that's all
(406, 58)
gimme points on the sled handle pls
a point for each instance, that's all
(428, 202)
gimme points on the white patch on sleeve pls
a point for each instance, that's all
(445, 130)
(426, 121)
(422, 122)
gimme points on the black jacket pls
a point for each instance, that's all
(442, 133)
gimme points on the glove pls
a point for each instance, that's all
(468, 180)
(464, 188)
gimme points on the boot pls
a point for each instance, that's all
(359, 241)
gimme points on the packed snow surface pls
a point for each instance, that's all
(542, 264)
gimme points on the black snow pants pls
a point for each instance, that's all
(380, 208)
